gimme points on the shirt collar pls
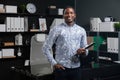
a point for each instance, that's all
(68, 25)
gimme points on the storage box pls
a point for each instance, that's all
(10, 9)
(2, 28)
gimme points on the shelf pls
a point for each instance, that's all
(108, 34)
(30, 15)
(91, 33)
(102, 50)
(113, 56)
(5, 57)
(25, 32)
(14, 46)
(11, 58)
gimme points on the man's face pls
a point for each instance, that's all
(69, 15)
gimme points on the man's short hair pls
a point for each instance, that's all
(68, 7)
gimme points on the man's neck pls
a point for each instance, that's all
(70, 24)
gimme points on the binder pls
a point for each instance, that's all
(17, 24)
(112, 45)
(94, 23)
(12, 24)
(8, 24)
(22, 24)
(25, 23)
(116, 45)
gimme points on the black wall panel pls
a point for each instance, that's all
(96, 8)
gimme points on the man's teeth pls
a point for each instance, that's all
(69, 18)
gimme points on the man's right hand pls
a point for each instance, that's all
(58, 66)
(81, 51)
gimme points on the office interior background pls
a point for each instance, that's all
(102, 63)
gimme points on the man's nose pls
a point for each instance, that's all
(69, 14)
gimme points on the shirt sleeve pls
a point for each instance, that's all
(84, 41)
(47, 46)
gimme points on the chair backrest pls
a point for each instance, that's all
(38, 62)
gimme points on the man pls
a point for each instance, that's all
(70, 40)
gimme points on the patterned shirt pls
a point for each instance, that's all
(68, 39)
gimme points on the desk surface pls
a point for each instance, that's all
(104, 70)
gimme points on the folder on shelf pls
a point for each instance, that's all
(25, 23)
(108, 44)
(116, 45)
(12, 24)
(16, 24)
(8, 24)
(112, 45)
(94, 23)
(22, 24)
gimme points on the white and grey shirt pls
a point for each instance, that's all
(68, 40)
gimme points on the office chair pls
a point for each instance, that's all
(40, 68)
(38, 62)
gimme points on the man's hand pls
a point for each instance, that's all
(81, 51)
(58, 66)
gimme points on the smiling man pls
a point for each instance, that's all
(70, 40)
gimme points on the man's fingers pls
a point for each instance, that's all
(62, 68)
(58, 66)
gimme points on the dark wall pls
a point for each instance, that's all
(96, 8)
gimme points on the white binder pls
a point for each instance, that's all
(94, 23)
(17, 24)
(22, 24)
(12, 24)
(8, 24)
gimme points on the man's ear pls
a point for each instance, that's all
(75, 15)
